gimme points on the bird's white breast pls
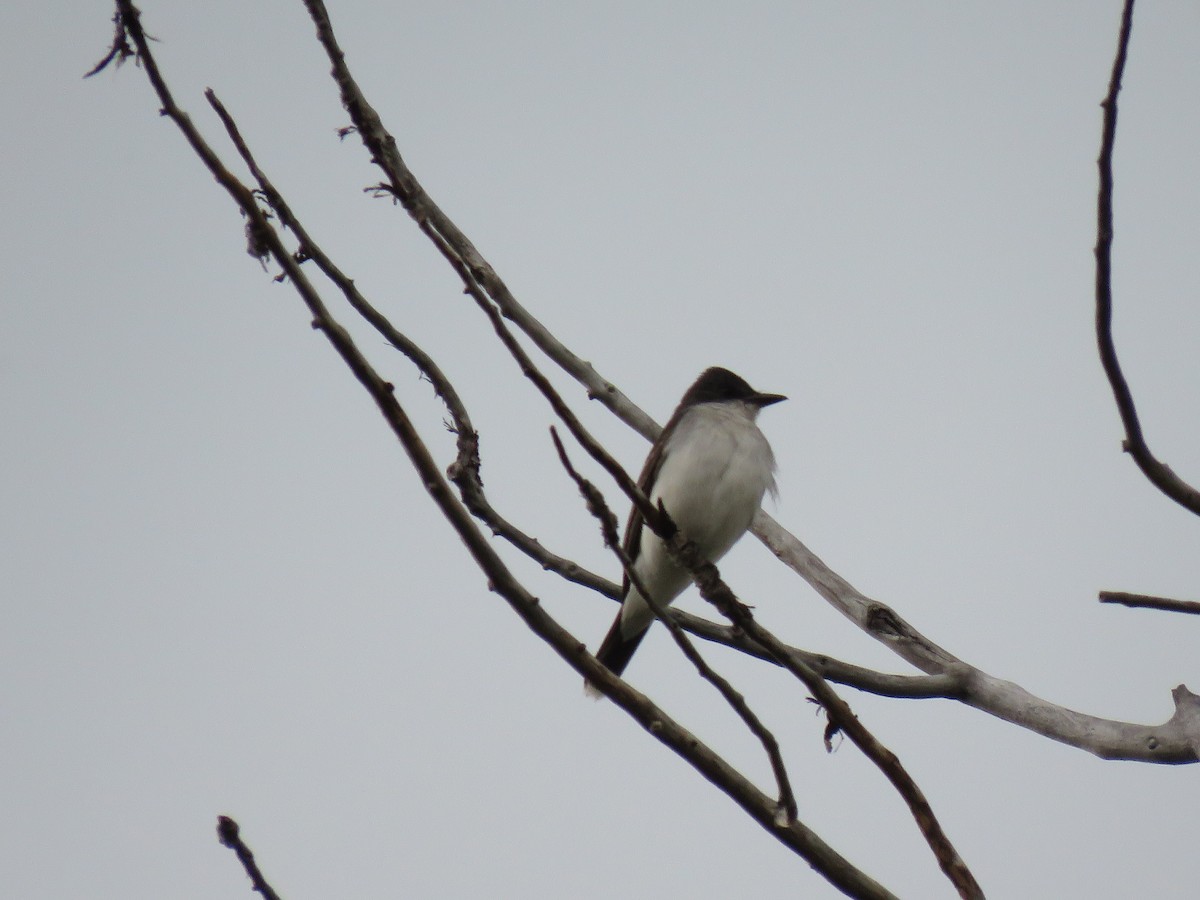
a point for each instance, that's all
(716, 467)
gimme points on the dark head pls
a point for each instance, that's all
(716, 385)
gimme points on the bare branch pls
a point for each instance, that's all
(1145, 601)
(945, 686)
(1172, 742)
(838, 711)
(762, 808)
(230, 835)
(465, 470)
(450, 240)
(1159, 473)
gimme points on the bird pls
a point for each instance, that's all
(709, 468)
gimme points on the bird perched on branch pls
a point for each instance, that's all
(709, 469)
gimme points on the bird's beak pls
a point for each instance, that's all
(761, 400)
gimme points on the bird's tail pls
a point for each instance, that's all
(615, 652)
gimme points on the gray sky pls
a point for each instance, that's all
(225, 591)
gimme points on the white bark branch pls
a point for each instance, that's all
(1175, 741)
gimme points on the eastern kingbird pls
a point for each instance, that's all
(710, 468)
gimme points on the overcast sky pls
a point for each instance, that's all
(225, 591)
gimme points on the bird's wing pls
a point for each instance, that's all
(633, 527)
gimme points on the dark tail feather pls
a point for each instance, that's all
(616, 651)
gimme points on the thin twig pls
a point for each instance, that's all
(1159, 473)
(119, 50)
(840, 715)
(883, 684)
(403, 185)
(608, 526)
(465, 470)
(230, 835)
(1145, 601)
